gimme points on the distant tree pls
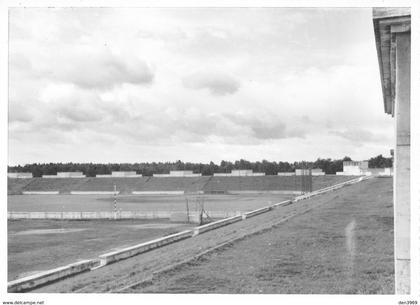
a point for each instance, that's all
(148, 169)
(380, 162)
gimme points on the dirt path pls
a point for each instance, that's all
(142, 267)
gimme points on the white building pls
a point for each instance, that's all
(239, 173)
(20, 175)
(387, 171)
(361, 168)
(177, 174)
(66, 175)
(121, 174)
(286, 174)
(317, 172)
(314, 172)
(354, 168)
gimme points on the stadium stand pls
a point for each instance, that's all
(15, 186)
(208, 184)
(124, 185)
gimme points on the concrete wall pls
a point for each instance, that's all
(216, 224)
(256, 212)
(236, 192)
(93, 192)
(111, 257)
(158, 192)
(42, 278)
(40, 193)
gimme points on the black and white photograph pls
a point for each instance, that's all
(213, 151)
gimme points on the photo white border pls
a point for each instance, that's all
(211, 298)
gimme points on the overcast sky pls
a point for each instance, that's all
(135, 85)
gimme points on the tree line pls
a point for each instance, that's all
(149, 168)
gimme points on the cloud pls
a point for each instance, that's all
(153, 82)
(18, 113)
(104, 70)
(88, 67)
(263, 125)
(217, 83)
(360, 135)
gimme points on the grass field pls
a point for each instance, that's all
(87, 203)
(344, 247)
(339, 242)
(36, 245)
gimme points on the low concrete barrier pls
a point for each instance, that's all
(256, 212)
(216, 224)
(93, 192)
(283, 203)
(117, 255)
(26, 215)
(157, 192)
(331, 188)
(40, 193)
(222, 214)
(286, 192)
(48, 276)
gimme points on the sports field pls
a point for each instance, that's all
(338, 242)
(37, 245)
(94, 203)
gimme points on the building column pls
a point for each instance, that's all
(392, 28)
(402, 164)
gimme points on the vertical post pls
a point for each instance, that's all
(115, 201)
(310, 180)
(188, 211)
